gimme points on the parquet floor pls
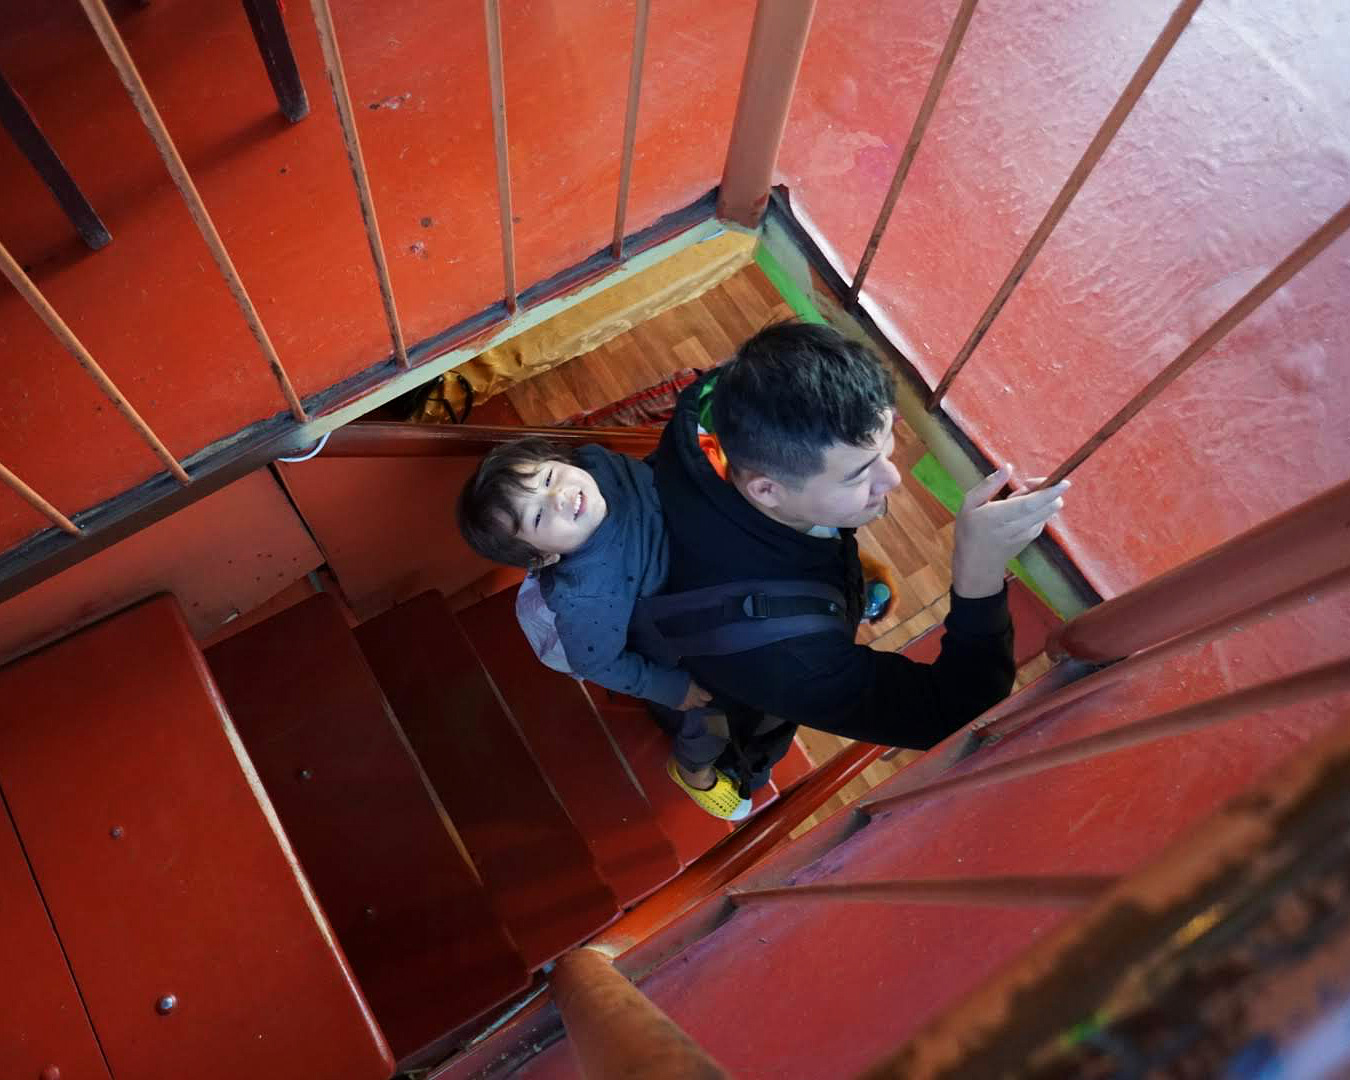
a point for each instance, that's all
(914, 539)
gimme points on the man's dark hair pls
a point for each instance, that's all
(792, 391)
(486, 511)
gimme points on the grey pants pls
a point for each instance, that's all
(700, 737)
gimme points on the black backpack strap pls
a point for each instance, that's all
(736, 616)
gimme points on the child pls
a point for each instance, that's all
(589, 525)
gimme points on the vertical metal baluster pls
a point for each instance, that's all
(930, 100)
(630, 124)
(492, 14)
(337, 82)
(140, 97)
(1290, 265)
(30, 292)
(38, 503)
(1096, 148)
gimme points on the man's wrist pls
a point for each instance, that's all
(976, 584)
(981, 615)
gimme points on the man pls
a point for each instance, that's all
(804, 418)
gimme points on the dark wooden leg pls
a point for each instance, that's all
(269, 31)
(23, 129)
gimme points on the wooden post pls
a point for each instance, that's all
(274, 46)
(777, 42)
(33, 144)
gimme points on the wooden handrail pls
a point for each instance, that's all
(616, 1030)
(392, 439)
(1036, 890)
(1288, 551)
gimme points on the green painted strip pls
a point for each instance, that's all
(930, 473)
(797, 300)
(938, 480)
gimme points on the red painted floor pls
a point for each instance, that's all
(1238, 150)
(152, 308)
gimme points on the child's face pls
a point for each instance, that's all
(560, 510)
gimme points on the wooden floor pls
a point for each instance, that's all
(914, 538)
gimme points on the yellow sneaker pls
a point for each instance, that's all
(722, 800)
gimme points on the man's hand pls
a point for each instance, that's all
(988, 534)
(694, 698)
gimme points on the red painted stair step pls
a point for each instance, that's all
(188, 928)
(532, 860)
(793, 767)
(414, 921)
(560, 724)
(647, 749)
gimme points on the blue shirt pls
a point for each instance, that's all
(593, 590)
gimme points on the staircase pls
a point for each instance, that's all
(460, 816)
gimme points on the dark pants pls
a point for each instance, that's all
(743, 743)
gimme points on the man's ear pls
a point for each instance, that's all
(764, 490)
(546, 560)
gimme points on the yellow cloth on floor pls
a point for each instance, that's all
(687, 274)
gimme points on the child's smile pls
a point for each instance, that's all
(561, 510)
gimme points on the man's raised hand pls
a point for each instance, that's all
(988, 534)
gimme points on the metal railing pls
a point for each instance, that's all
(265, 21)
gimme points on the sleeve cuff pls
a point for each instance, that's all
(985, 617)
(669, 686)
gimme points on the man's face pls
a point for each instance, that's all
(848, 492)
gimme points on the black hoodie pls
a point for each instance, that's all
(822, 680)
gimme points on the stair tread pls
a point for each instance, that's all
(162, 868)
(559, 721)
(795, 764)
(408, 909)
(647, 749)
(531, 858)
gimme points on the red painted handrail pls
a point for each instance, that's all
(1286, 552)
(616, 1030)
(717, 868)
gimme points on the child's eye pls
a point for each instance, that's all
(548, 480)
(538, 517)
